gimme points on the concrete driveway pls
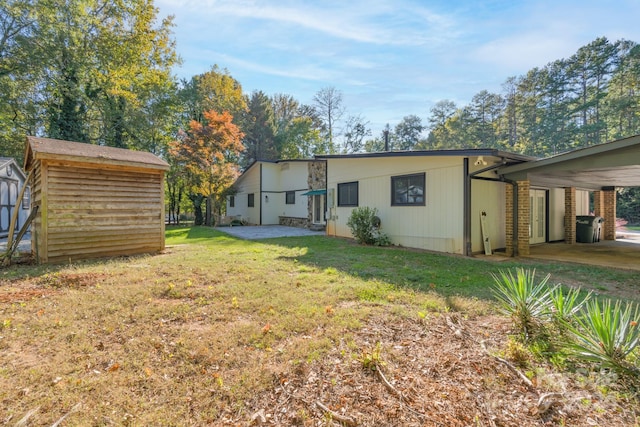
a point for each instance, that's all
(256, 232)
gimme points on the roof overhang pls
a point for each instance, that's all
(314, 192)
(612, 164)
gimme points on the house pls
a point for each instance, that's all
(435, 199)
(430, 200)
(285, 192)
(12, 180)
(547, 194)
(94, 201)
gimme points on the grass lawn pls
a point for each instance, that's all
(222, 331)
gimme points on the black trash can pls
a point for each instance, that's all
(588, 228)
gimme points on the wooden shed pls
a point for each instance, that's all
(94, 201)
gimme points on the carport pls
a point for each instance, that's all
(598, 169)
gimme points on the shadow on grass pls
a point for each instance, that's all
(448, 274)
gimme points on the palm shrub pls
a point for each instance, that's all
(527, 302)
(365, 227)
(565, 306)
(608, 334)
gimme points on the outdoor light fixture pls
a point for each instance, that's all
(480, 161)
(266, 198)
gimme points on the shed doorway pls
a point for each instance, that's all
(538, 216)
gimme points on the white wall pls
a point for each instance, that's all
(556, 214)
(488, 196)
(248, 183)
(277, 179)
(436, 226)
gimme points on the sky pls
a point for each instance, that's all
(388, 58)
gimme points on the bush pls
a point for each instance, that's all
(525, 301)
(365, 227)
(607, 334)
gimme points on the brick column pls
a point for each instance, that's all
(598, 203)
(524, 217)
(570, 215)
(508, 225)
(609, 231)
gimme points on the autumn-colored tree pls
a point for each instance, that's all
(208, 153)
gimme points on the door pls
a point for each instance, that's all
(538, 216)
(318, 209)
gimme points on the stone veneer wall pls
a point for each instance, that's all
(317, 180)
(290, 221)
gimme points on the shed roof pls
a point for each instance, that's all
(48, 148)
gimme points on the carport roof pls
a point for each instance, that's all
(612, 164)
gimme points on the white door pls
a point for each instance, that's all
(318, 209)
(538, 217)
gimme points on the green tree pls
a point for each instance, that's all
(82, 70)
(258, 125)
(408, 133)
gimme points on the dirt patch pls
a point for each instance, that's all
(443, 372)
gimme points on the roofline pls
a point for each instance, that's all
(105, 157)
(5, 161)
(471, 152)
(573, 155)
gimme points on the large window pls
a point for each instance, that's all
(348, 194)
(232, 201)
(290, 198)
(250, 200)
(408, 190)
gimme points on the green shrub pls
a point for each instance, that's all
(525, 301)
(567, 305)
(608, 334)
(365, 227)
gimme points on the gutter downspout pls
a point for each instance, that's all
(466, 227)
(260, 219)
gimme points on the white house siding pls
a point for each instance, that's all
(436, 226)
(557, 209)
(248, 183)
(293, 177)
(270, 195)
(582, 202)
(487, 196)
(556, 214)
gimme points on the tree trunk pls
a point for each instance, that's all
(209, 212)
(197, 200)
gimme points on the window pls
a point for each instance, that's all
(290, 198)
(232, 201)
(408, 190)
(348, 194)
(250, 200)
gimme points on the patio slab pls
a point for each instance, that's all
(257, 232)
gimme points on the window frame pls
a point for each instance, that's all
(232, 201)
(251, 200)
(409, 177)
(344, 185)
(288, 195)
(26, 198)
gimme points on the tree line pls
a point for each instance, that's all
(101, 72)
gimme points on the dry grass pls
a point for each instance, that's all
(227, 332)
